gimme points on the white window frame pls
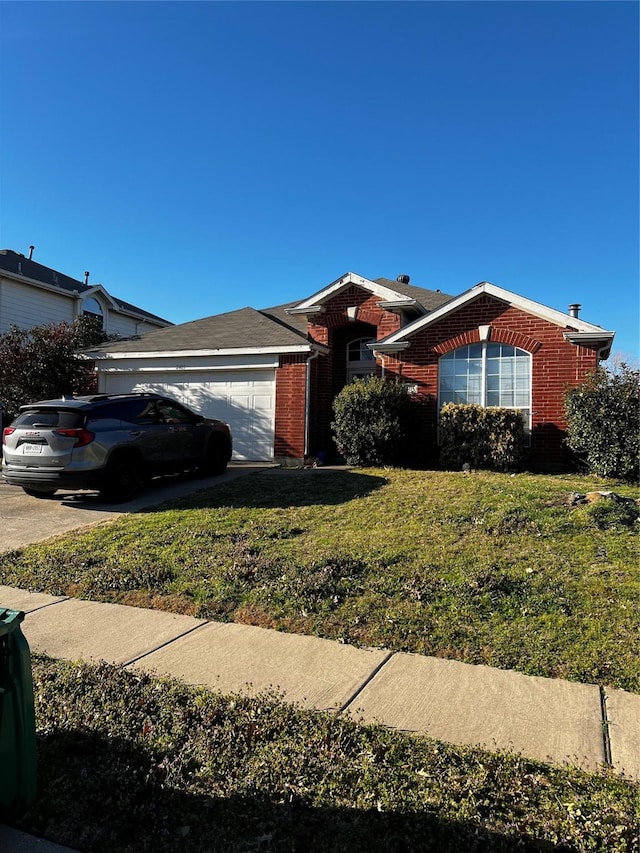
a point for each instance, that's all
(363, 367)
(88, 303)
(526, 410)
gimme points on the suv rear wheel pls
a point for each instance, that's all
(122, 479)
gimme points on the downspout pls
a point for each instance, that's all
(307, 402)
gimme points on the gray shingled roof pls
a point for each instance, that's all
(248, 327)
(428, 299)
(241, 329)
(19, 265)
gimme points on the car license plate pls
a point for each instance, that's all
(30, 449)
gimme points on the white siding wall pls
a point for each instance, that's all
(25, 306)
(127, 327)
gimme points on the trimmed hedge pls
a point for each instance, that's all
(481, 437)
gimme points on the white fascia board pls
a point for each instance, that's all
(388, 347)
(558, 318)
(311, 309)
(603, 341)
(391, 304)
(339, 284)
(98, 288)
(190, 353)
(185, 368)
(589, 337)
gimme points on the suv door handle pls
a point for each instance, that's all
(135, 432)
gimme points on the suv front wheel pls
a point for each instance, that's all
(122, 479)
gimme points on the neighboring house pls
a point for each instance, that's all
(273, 374)
(32, 295)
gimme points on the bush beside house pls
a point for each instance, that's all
(371, 422)
(481, 437)
(603, 416)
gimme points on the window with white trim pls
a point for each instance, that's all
(361, 362)
(92, 308)
(488, 374)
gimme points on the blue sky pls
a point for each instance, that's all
(200, 157)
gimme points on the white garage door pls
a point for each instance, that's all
(245, 399)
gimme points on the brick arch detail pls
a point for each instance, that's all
(496, 336)
(365, 315)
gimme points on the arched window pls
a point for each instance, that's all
(488, 374)
(360, 359)
(92, 308)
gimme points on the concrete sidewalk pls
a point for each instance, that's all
(546, 719)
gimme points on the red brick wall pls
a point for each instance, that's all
(290, 405)
(334, 329)
(556, 366)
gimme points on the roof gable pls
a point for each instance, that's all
(578, 331)
(379, 288)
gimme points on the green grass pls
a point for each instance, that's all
(131, 763)
(486, 568)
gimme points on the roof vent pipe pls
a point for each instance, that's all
(86, 276)
(403, 279)
(574, 310)
(31, 248)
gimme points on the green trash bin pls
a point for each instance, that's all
(17, 717)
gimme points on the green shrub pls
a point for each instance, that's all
(370, 421)
(603, 417)
(481, 437)
(40, 363)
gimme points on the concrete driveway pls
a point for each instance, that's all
(24, 520)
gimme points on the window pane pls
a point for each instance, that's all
(505, 371)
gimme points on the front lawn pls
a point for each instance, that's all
(128, 762)
(485, 568)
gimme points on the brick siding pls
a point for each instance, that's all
(556, 366)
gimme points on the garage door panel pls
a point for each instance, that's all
(244, 399)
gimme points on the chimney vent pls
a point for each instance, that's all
(86, 276)
(404, 279)
(31, 248)
(574, 310)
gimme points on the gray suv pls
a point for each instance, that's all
(109, 442)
